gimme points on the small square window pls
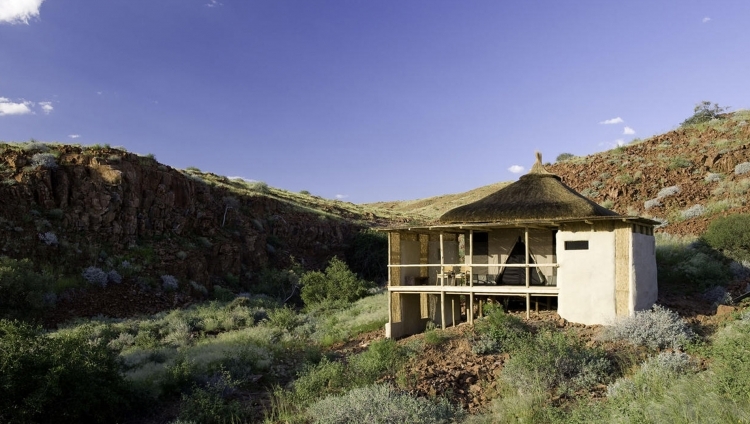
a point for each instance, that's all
(577, 245)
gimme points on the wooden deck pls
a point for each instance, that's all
(480, 290)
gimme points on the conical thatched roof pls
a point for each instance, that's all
(538, 195)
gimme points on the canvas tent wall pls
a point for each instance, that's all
(515, 276)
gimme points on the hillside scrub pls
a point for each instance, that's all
(205, 357)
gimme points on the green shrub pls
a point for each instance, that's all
(678, 162)
(382, 356)
(68, 378)
(554, 360)
(316, 381)
(435, 337)
(222, 294)
(211, 404)
(259, 187)
(564, 156)
(284, 318)
(382, 403)
(24, 293)
(730, 235)
(731, 360)
(499, 332)
(338, 283)
(279, 284)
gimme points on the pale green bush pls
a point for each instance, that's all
(656, 328)
(381, 404)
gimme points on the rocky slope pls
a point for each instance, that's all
(68, 208)
(685, 177)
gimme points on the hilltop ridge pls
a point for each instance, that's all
(683, 178)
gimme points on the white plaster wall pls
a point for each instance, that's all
(586, 278)
(643, 283)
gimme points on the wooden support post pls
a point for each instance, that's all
(536, 305)
(470, 314)
(528, 273)
(528, 305)
(441, 272)
(549, 306)
(390, 294)
(390, 307)
(453, 312)
(471, 262)
(442, 309)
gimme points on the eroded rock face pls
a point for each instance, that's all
(108, 204)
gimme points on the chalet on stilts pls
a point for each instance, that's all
(536, 239)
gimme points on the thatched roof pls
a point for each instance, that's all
(538, 195)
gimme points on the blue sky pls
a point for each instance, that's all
(365, 100)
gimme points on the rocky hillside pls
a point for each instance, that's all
(70, 207)
(684, 178)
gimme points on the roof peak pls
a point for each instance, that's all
(538, 168)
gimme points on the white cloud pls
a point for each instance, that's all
(628, 131)
(46, 107)
(620, 142)
(214, 3)
(8, 107)
(19, 11)
(342, 196)
(706, 19)
(516, 169)
(617, 120)
(74, 135)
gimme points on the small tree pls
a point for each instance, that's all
(730, 235)
(704, 112)
(338, 283)
(564, 156)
